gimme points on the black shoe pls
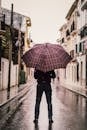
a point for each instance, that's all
(50, 121)
(35, 121)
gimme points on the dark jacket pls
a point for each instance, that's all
(44, 77)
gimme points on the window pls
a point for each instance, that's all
(82, 1)
(67, 33)
(73, 26)
(80, 47)
(3, 23)
(83, 32)
(76, 48)
(72, 53)
(62, 40)
(77, 72)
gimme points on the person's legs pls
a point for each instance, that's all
(38, 100)
(48, 92)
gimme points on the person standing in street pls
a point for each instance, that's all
(44, 85)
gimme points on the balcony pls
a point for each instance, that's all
(84, 5)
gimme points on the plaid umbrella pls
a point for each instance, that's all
(46, 57)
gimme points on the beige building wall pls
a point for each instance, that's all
(27, 34)
(72, 37)
(0, 4)
(27, 47)
(63, 40)
(4, 80)
(81, 57)
(5, 64)
(0, 32)
(75, 73)
(71, 32)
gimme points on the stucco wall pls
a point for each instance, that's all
(4, 80)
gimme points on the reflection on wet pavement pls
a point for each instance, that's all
(36, 127)
(69, 112)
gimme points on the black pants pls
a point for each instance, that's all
(43, 87)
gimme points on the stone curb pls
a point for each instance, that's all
(8, 108)
(80, 91)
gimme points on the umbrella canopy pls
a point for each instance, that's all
(46, 57)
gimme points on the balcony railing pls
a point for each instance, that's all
(84, 5)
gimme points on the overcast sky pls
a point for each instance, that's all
(47, 16)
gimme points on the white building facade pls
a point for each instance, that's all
(75, 42)
(82, 42)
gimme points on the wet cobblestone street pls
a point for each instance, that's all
(69, 112)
